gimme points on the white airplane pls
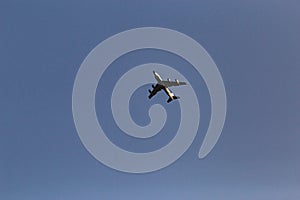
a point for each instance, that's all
(164, 85)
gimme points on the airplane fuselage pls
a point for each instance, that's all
(157, 77)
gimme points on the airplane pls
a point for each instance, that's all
(165, 86)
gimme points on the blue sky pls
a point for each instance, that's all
(255, 45)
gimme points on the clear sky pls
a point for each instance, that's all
(255, 45)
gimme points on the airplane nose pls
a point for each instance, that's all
(154, 72)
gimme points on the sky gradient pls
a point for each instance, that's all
(255, 45)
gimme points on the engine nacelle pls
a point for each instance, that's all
(177, 81)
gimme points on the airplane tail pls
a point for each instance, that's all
(171, 99)
(150, 94)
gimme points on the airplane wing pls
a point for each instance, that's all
(169, 83)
